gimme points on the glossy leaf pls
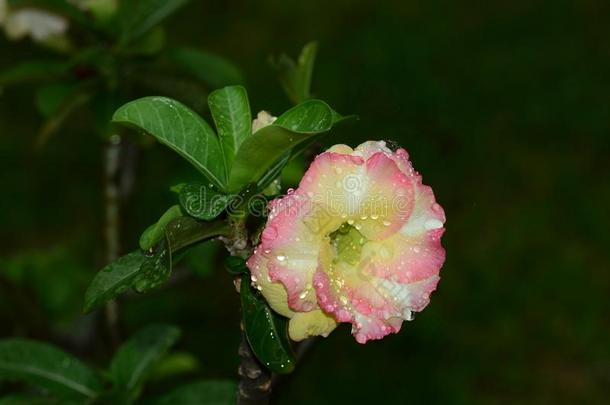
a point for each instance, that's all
(231, 112)
(154, 233)
(202, 201)
(261, 151)
(181, 129)
(267, 332)
(47, 367)
(179, 233)
(275, 170)
(144, 273)
(139, 16)
(155, 270)
(136, 358)
(185, 231)
(211, 392)
(207, 67)
(113, 280)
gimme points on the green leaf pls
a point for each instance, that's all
(231, 112)
(154, 233)
(113, 280)
(139, 16)
(236, 265)
(185, 231)
(202, 201)
(155, 270)
(147, 272)
(211, 392)
(207, 67)
(179, 233)
(267, 332)
(296, 77)
(135, 359)
(181, 129)
(32, 71)
(261, 151)
(47, 367)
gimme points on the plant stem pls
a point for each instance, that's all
(255, 379)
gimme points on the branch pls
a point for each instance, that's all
(255, 379)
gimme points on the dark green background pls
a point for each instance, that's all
(504, 109)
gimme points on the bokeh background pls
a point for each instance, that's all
(504, 108)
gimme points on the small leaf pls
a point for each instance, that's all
(113, 280)
(231, 112)
(207, 67)
(154, 233)
(147, 272)
(139, 16)
(180, 233)
(267, 332)
(201, 201)
(262, 150)
(181, 129)
(155, 270)
(185, 231)
(210, 392)
(236, 265)
(47, 367)
(137, 357)
(296, 77)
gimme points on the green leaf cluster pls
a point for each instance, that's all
(67, 380)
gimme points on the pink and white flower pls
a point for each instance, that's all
(358, 241)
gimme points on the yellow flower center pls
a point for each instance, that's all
(347, 242)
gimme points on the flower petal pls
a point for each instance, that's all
(314, 323)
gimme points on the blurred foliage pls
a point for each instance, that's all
(504, 109)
